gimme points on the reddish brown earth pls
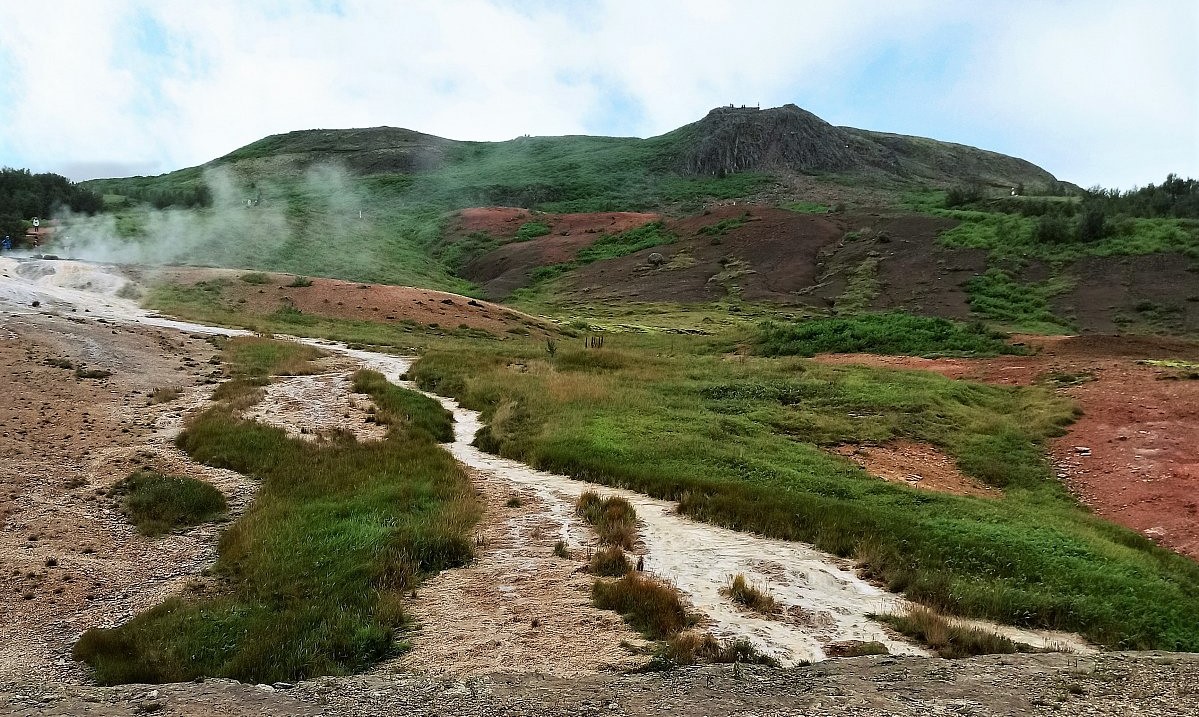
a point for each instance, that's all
(502, 271)
(1140, 424)
(366, 302)
(505, 221)
(918, 465)
(804, 260)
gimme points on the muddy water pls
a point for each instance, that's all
(824, 600)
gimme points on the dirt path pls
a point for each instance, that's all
(1133, 456)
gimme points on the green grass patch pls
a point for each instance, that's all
(722, 227)
(888, 333)
(1012, 236)
(998, 297)
(742, 444)
(610, 562)
(401, 406)
(613, 246)
(693, 647)
(612, 517)
(253, 356)
(531, 230)
(861, 287)
(158, 504)
(311, 578)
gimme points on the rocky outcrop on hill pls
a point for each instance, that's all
(790, 139)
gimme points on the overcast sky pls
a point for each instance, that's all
(1096, 92)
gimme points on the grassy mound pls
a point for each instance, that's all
(313, 574)
(653, 608)
(613, 518)
(158, 504)
(950, 639)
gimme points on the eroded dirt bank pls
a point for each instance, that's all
(1133, 455)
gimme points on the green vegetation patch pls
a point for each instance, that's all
(531, 230)
(158, 504)
(312, 576)
(889, 333)
(612, 246)
(253, 356)
(653, 608)
(998, 297)
(401, 406)
(1057, 239)
(743, 444)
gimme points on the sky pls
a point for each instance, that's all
(1097, 92)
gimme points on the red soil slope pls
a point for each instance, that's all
(1140, 424)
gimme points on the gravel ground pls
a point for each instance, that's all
(1117, 684)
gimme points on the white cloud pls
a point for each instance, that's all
(1073, 85)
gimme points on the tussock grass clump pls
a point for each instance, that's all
(254, 356)
(313, 574)
(400, 406)
(693, 647)
(561, 549)
(256, 277)
(950, 639)
(743, 593)
(653, 608)
(299, 282)
(855, 648)
(610, 562)
(84, 372)
(164, 394)
(157, 504)
(613, 518)
(889, 333)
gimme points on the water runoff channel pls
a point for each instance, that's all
(823, 600)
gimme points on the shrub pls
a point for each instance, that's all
(1053, 229)
(750, 596)
(613, 518)
(951, 639)
(611, 562)
(256, 277)
(889, 333)
(157, 504)
(653, 608)
(692, 647)
(300, 282)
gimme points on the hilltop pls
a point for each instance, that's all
(772, 207)
(729, 140)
